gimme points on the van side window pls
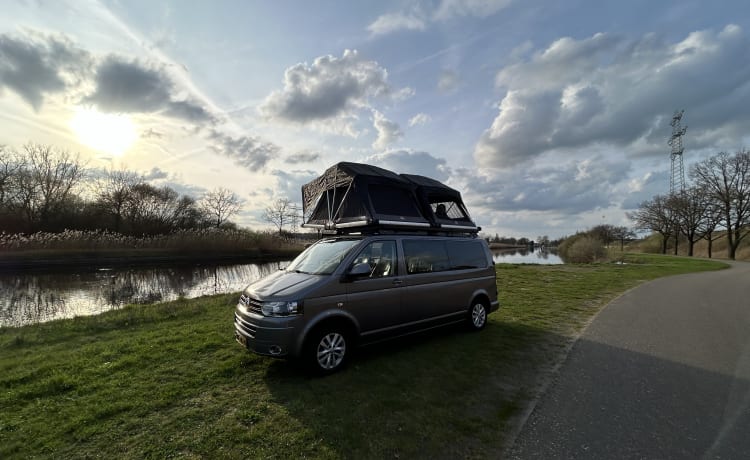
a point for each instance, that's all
(381, 255)
(466, 254)
(425, 256)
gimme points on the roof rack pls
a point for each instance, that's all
(354, 198)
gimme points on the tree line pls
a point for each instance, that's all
(715, 204)
(47, 189)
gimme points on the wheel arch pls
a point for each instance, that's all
(329, 317)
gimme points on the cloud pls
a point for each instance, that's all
(393, 22)
(388, 131)
(329, 88)
(571, 95)
(449, 9)
(248, 152)
(155, 174)
(131, 86)
(36, 64)
(418, 19)
(448, 81)
(302, 157)
(573, 187)
(412, 162)
(289, 183)
(419, 119)
(404, 94)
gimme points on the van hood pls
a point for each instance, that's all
(282, 283)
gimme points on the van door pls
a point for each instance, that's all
(375, 299)
(433, 289)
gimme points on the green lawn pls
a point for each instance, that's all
(169, 380)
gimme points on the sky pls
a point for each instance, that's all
(550, 117)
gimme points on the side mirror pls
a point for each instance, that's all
(360, 270)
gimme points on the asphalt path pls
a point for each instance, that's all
(662, 372)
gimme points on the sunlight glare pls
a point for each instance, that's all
(109, 133)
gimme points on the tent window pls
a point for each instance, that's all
(393, 201)
(447, 210)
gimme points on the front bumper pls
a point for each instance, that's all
(263, 335)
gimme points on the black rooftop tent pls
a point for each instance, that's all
(351, 197)
(441, 204)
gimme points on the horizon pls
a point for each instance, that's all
(549, 119)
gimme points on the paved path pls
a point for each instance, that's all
(662, 372)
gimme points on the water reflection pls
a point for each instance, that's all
(28, 298)
(526, 256)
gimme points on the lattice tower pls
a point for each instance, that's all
(677, 177)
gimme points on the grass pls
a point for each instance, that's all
(168, 380)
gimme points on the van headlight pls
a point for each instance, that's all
(281, 308)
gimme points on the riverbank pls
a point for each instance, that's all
(169, 380)
(72, 258)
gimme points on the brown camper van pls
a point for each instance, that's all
(403, 256)
(351, 290)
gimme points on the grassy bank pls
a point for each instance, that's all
(168, 380)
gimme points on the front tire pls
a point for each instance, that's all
(328, 350)
(477, 315)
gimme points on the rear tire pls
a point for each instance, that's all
(327, 350)
(477, 315)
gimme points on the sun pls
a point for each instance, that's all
(108, 133)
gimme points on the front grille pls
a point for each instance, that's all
(245, 327)
(252, 305)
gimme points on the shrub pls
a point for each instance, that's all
(582, 249)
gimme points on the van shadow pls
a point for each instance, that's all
(445, 393)
(450, 393)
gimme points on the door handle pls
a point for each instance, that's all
(398, 282)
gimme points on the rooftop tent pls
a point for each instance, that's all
(352, 195)
(441, 204)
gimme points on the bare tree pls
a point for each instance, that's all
(655, 215)
(710, 223)
(622, 234)
(154, 210)
(726, 178)
(220, 204)
(47, 181)
(691, 211)
(278, 213)
(10, 164)
(116, 188)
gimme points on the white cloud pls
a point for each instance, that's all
(411, 162)
(418, 19)
(449, 9)
(572, 187)
(448, 81)
(388, 131)
(419, 119)
(328, 88)
(393, 22)
(404, 94)
(606, 91)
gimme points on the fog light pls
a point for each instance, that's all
(274, 350)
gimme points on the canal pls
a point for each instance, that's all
(35, 297)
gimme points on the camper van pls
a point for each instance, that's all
(403, 256)
(351, 290)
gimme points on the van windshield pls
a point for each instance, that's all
(323, 257)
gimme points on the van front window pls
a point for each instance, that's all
(323, 257)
